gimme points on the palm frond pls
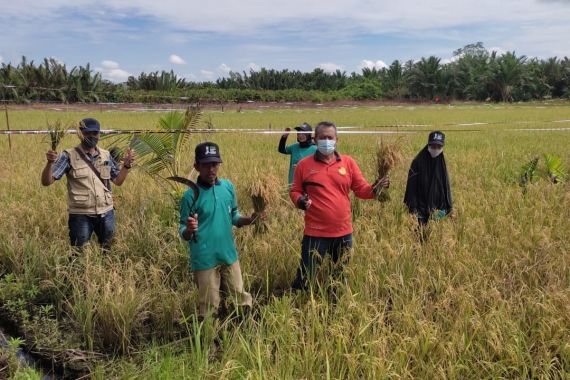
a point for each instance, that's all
(156, 165)
(155, 153)
(158, 152)
(190, 120)
(555, 169)
(528, 173)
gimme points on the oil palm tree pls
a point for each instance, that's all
(425, 78)
(506, 74)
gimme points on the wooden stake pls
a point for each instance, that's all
(8, 126)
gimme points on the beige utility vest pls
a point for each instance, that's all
(86, 194)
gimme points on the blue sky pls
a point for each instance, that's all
(204, 40)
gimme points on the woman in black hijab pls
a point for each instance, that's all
(428, 194)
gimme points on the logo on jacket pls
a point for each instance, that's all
(342, 170)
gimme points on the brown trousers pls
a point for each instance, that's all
(223, 278)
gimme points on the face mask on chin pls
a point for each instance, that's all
(434, 152)
(326, 147)
(90, 142)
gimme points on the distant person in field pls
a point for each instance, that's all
(89, 171)
(206, 220)
(428, 194)
(321, 186)
(302, 148)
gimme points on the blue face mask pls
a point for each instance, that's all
(326, 147)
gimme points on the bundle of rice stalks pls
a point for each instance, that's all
(263, 192)
(387, 157)
(56, 133)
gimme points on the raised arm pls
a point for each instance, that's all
(128, 162)
(282, 141)
(47, 173)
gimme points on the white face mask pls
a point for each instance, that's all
(434, 152)
(326, 147)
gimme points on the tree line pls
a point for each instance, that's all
(473, 74)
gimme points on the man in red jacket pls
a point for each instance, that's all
(321, 186)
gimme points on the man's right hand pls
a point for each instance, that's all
(51, 156)
(192, 224)
(304, 202)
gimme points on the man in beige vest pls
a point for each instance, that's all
(89, 171)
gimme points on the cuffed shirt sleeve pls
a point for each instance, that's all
(61, 165)
(235, 215)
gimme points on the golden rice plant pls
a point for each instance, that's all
(387, 157)
(263, 192)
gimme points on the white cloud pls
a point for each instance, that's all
(330, 67)
(256, 16)
(176, 59)
(224, 69)
(366, 64)
(111, 70)
(253, 66)
(207, 74)
(109, 65)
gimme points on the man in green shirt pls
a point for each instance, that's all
(302, 148)
(206, 220)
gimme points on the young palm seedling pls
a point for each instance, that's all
(554, 168)
(528, 173)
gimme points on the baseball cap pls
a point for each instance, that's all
(304, 128)
(436, 137)
(207, 152)
(89, 125)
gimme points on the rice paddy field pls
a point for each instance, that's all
(486, 297)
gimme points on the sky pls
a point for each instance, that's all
(205, 40)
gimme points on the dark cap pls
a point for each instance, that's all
(436, 137)
(207, 152)
(89, 125)
(304, 128)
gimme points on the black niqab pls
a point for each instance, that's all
(428, 184)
